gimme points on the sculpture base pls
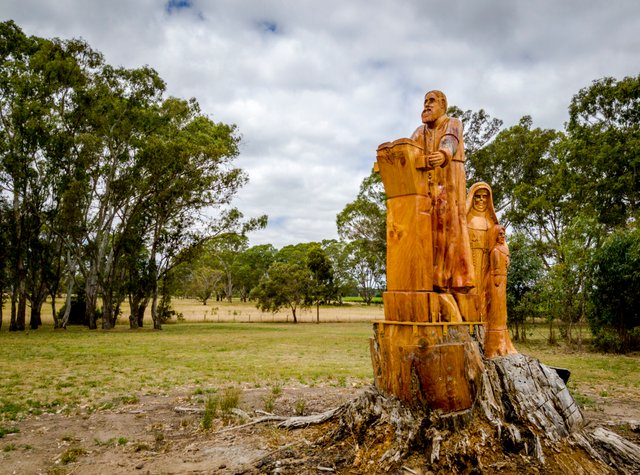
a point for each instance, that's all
(435, 366)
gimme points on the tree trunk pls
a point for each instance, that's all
(107, 310)
(141, 309)
(14, 311)
(71, 262)
(91, 294)
(22, 311)
(67, 308)
(134, 303)
(157, 324)
(56, 320)
(37, 301)
(110, 309)
(318, 312)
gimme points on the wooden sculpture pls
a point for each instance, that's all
(441, 140)
(481, 218)
(422, 352)
(497, 341)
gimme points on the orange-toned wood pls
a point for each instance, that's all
(443, 367)
(400, 164)
(497, 341)
(433, 365)
(469, 306)
(422, 352)
(409, 248)
(410, 306)
(481, 217)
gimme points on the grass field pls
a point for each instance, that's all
(63, 370)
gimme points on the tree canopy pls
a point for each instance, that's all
(104, 176)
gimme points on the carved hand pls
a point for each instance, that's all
(436, 159)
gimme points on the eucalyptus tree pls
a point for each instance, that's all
(250, 266)
(322, 287)
(37, 84)
(338, 254)
(614, 311)
(186, 181)
(604, 128)
(362, 224)
(286, 285)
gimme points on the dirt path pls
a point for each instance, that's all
(151, 436)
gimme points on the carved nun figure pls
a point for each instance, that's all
(481, 217)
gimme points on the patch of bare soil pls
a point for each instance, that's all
(160, 434)
(163, 434)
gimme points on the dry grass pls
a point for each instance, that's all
(236, 311)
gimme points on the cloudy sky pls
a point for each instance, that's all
(315, 86)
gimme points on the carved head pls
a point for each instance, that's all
(481, 200)
(435, 106)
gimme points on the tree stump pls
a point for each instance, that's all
(523, 420)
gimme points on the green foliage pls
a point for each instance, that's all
(210, 411)
(479, 129)
(322, 287)
(71, 455)
(8, 430)
(285, 285)
(10, 410)
(338, 254)
(614, 314)
(229, 399)
(365, 219)
(250, 266)
(604, 127)
(519, 166)
(299, 407)
(523, 283)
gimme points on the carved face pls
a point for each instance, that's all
(480, 200)
(501, 236)
(433, 108)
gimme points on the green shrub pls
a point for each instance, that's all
(229, 400)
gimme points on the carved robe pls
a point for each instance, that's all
(479, 223)
(452, 262)
(497, 339)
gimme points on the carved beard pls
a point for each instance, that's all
(431, 116)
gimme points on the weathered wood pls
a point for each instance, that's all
(435, 366)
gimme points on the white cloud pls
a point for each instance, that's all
(315, 87)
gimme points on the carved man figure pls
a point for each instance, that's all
(441, 139)
(481, 217)
(497, 340)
